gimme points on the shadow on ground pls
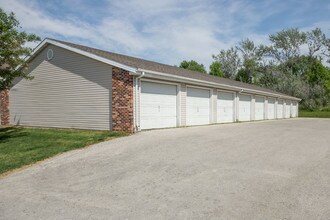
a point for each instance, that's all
(7, 133)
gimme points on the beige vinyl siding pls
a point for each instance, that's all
(69, 91)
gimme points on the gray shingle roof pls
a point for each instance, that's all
(163, 68)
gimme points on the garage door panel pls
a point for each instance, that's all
(294, 110)
(280, 107)
(244, 108)
(287, 109)
(158, 88)
(198, 106)
(225, 107)
(198, 93)
(259, 108)
(158, 105)
(271, 108)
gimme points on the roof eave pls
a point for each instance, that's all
(153, 74)
(165, 76)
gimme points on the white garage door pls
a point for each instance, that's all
(244, 108)
(259, 110)
(287, 109)
(158, 105)
(294, 109)
(280, 109)
(225, 107)
(271, 108)
(198, 106)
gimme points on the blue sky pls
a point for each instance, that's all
(167, 31)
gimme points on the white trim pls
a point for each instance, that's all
(81, 52)
(217, 85)
(178, 99)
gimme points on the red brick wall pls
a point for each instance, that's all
(122, 100)
(4, 107)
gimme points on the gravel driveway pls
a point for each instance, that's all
(259, 170)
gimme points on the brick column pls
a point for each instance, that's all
(4, 107)
(122, 100)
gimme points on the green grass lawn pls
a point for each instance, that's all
(314, 114)
(21, 146)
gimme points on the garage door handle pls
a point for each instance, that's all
(159, 108)
(197, 109)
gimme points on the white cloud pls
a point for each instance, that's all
(167, 31)
(33, 19)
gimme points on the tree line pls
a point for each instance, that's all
(294, 63)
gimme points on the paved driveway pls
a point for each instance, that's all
(265, 170)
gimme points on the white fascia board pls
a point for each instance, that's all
(33, 53)
(165, 76)
(81, 52)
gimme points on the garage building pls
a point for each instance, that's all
(75, 86)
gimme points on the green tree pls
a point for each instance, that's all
(250, 51)
(327, 50)
(13, 49)
(318, 79)
(252, 56)
(284, 66)
(192, 65)
(215, 69)
(319, 74)
(270, 77)
(244, 75)
(317, 42)
(286, 44)
(230, 62)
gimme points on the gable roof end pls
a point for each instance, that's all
(47, 41)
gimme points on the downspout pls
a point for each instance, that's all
(137, 109)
